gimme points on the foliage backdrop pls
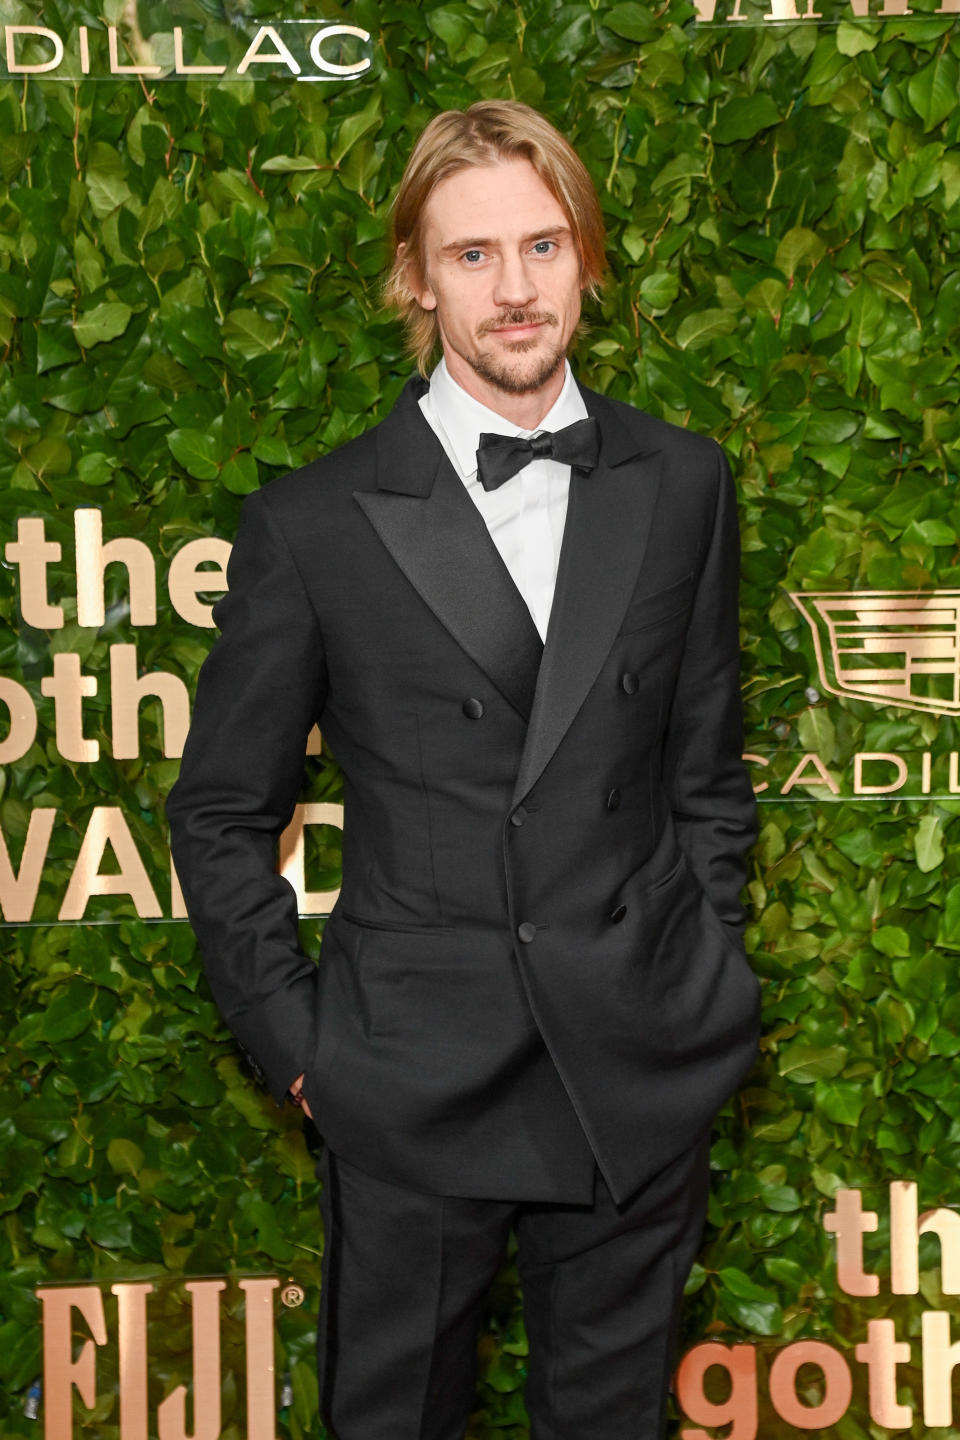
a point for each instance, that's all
(189, 307)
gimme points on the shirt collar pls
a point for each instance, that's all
(463, 419)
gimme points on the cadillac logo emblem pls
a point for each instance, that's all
(891, 647)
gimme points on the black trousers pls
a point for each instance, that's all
(405, 1276)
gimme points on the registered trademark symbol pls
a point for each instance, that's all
(292, 1296)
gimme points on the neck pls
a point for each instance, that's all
(525, 411)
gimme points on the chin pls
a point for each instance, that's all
(518, 372)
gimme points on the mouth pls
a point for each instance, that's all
(516, 326)
(519, 332)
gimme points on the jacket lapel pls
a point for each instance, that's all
(604, 539)
(436, 535)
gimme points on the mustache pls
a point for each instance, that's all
(516, 317)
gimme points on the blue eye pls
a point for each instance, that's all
(472, 255)
(542, 247)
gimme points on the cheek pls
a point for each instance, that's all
(467, 309)
(568, 293)
(455, 297)
(572, 310)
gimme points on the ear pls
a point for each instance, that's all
(419, 288)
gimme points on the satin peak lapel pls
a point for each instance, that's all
(605, 536)
(436, 535)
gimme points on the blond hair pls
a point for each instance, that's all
(487, 132)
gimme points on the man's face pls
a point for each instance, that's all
(502, 273)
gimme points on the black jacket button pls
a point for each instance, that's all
(613, 799)
(630, 683)
(526, 932)
(472, 708)
(617, 915)
(519, 816)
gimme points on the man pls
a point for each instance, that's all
(512, 609)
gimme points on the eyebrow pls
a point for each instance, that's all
(549, 232)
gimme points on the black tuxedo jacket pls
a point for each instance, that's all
(536, 959)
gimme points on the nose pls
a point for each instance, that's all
(515, 285)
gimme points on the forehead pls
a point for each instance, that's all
(500, 201)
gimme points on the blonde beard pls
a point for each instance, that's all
(496, 370)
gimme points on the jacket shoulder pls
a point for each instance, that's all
(326, 479)
(656, 434)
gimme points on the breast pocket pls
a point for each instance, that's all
(658, 606)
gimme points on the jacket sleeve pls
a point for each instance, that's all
(260, 690)
(707, 781)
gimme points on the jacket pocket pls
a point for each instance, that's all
(659, 606)
(398, 927)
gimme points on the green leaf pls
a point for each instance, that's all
(891, 940)
(949, 932)
(830, 427)
(634, 242)
(782, 1199)
(631, 20)
(785, 1271)
(804, 1064)
(239, 475)
(798, 245)
(95, 468)
(49, 456)
(356, 125)
(677, 172)
(817, 732)
(110, 1228)
(841, 1101)
(738, 1283)
(928, 844)
(293, 1158)
(853, 38)
(456, 27)
(659, 290)
(197, 451)
(933, 90)
(247, 334)
(760, 1317)
(124, 1156)
(238, 426)
(291, 164)
(63, 1018)
(103, 322)
(782, 1128)
(744, 116)
(890, 1138)
(106, 179)
(54, 348)
(703, 326)
(930, 532)
(273, 451)
(771, 845)
(47, 1120)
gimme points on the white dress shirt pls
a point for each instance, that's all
(525, 515)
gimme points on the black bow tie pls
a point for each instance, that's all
(500, 456)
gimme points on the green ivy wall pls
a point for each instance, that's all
(189, 307)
